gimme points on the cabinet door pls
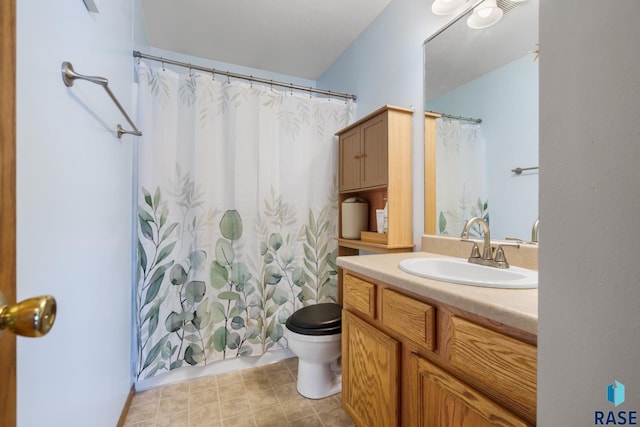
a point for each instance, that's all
(508, 365)
(350, 158)
(374, 137)
(370, 368)
(441, 400)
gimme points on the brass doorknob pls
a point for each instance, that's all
(32, 317)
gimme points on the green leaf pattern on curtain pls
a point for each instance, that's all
(461, 176)
(231, 239)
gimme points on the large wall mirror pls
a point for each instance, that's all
(481, 124)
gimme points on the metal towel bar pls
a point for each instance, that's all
(69, 76)
(519, 171)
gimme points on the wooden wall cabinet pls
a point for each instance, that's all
(457, 368)
(363, 154)
(375, 164)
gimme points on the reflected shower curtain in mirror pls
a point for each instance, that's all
(237, 213)
(461, 191)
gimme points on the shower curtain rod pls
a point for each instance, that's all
(138, 54)
(450, 116)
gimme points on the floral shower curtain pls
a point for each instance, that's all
(237, 213)
(460, 175)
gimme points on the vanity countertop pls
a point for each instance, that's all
(514, 307)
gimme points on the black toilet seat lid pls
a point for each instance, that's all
(316, 319)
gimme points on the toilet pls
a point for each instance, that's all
(313, 334)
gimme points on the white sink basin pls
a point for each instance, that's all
(458, 270)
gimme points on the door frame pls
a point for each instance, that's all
(8, 204)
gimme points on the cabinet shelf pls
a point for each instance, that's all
(364, 190)
(373, 247)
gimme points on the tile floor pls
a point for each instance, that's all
(265, 396)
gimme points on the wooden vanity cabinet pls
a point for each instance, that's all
(375, 164)
(411, 361)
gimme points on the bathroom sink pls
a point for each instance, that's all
(460, 271)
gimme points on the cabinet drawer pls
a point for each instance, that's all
(502, 363)
(409, 317)
(359, 295)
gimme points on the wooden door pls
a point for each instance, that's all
(370, 368)
(349, 163)
(442, 400)
(375, 141)
(7, 205)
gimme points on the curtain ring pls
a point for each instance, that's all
(213, 75)
(162, 62)
(251, 82)
(190, 73)
(228, 78)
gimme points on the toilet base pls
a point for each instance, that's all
(318, 380)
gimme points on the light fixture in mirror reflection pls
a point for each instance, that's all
(485, 15)
(491, 75)
(445, 7)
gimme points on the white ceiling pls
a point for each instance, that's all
(460, 54)
(300, 38)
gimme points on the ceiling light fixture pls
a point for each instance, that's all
(485, 15)
(445, 7)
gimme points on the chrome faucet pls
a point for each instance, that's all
(487, 254)
(534, 231)
(487, 258)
